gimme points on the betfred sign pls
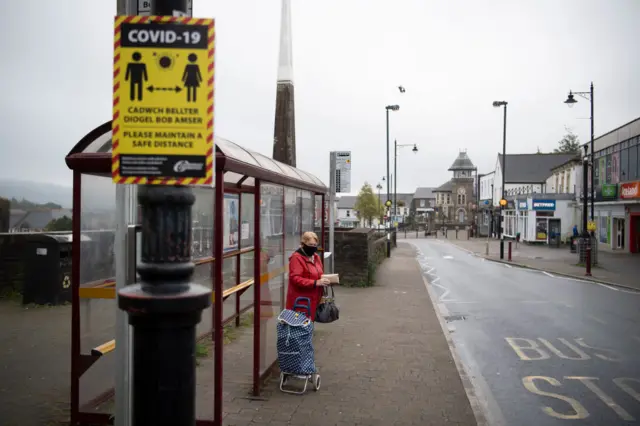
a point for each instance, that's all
(630, 190)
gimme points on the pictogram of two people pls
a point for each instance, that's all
(137, 75)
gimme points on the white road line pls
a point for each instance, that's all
(608, 286)
(508, 266)
(548, 274)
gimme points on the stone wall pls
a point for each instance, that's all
(358, 252)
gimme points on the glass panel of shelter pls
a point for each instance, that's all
(97, 270)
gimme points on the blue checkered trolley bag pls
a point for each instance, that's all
(295, 348)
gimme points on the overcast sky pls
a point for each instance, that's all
(453, 57)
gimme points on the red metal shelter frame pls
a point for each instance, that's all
(237, 171)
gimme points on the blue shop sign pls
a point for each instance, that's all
(549, 205)
(522, 205)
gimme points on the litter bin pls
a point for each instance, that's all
(47, 269)
(573, 244)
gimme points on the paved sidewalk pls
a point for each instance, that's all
(615, 268)
(385, 362)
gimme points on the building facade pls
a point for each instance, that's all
(455, 198)
(423, 206)
(537, 209)
(617, 188)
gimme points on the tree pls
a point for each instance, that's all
(63, 223)
(569, 144)
(367, 204)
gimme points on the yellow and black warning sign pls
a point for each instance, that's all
(163, 100)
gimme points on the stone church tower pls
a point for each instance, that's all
(284, 133)
(455, 198)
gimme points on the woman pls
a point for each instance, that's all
(305, 274)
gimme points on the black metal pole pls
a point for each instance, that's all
(592, 162)
(504, 172)
(585, 180)
(388, 182)
(395, 178)
(387, 227)
(165, 307)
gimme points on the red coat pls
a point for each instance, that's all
(302, 281)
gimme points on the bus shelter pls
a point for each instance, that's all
(251, 219)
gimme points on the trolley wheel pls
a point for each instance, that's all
(316, 382)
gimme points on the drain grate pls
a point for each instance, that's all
(452, 318)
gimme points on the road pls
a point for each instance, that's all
(539, 349)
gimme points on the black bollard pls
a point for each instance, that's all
(164, 310)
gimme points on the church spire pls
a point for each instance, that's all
(284, 137)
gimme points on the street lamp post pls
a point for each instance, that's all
(498, 104)
(395, 171)
(570, 102)
(389, 108)
(379, 187)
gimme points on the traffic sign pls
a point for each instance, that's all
(163, 100)
(144, 7)
(343, 171)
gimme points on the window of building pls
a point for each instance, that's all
(615, 167)
(448, 198)
(633, 163)
(422, 202)
(348, 213)
(569, 181)
(557, 187)
(624, 165)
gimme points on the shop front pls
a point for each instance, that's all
(546, 221)
(610, 218)
(630, 194)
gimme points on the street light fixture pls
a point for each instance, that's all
(503, 202)
(389, 108)
(571, 101)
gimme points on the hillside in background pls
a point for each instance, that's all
(36, 192)
(98, 194)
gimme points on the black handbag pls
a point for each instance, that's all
(327, 310)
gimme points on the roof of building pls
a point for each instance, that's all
(532, 168)
(424, 192)
(463, 162)
(445, 187)
(575, 159)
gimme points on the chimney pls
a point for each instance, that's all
(284, 133)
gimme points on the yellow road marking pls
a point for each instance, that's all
(578, 409)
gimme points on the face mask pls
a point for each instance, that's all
(310, 251)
